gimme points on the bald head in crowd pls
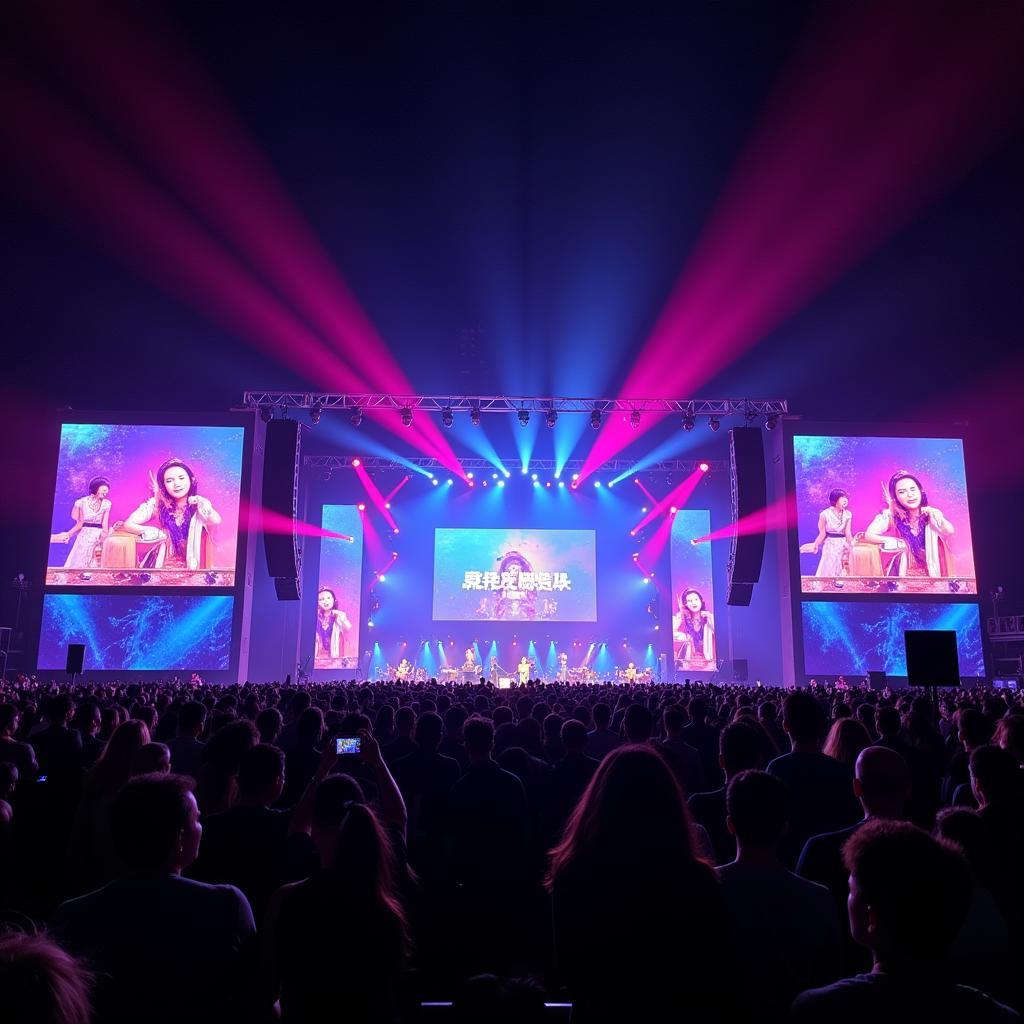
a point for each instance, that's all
(882, 782)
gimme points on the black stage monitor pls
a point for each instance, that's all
(931, 657)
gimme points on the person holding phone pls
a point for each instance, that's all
(344, 929)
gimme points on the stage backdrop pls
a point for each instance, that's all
(142, 633)
(863, 467)
(515, 575)
(339, 591)
(127, 457)
(854, 638)
(693, 600)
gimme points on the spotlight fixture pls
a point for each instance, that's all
(356, 418)
(266, 413)
(524, 417)
(749, 415)
(315, 411)
(689, 422)
(474, 415)
(357, 463)
(447, 417)
(772, 422)
(634, 419)
(595, 419)
(361, 507)
(406, 416)
(703, 466)
(550, 418)
(714, 423)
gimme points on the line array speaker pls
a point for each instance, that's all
(749, 495)
(281, 495)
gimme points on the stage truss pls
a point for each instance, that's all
(666, 466)
(750, 408)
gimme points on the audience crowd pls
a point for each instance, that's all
(177, 852)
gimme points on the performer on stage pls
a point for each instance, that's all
(563, 667)
(470, 664)
(913, 528)
(404, 670)
(186, 520)
(693, 629)
(835, 539)
(331, 626)
(631, 673)
(524, 670)
(495, 672)
(92, 523)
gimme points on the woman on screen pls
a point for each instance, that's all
(186, 520)
(513, 602)
(92, 524)
(913, 529)
(835, 539)
(693, 629)
(331, 626)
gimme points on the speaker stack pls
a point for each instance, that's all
(749, 495)
(281, 495)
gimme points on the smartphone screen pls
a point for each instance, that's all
(347, 744)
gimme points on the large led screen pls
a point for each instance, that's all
(146, 505)
(852, 639)
(138, 632)
(882, 515)
(693, 602)
(339, 591)
(515, 575)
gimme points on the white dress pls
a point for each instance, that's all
(832, 548)
(83, 554)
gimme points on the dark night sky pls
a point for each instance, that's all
(537, 174)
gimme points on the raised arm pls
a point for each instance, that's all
(392, 806)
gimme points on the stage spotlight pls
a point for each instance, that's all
(434, 481)
(387, 504)
(689, 422)
(450, 481)
(406, 416)
(469, 475)
(474, 415)
(673, 510)
(561, 483)
(714, 423)
(524, 417)
(266, 413)
(550, 418)
(703, 466)
(646, 581)
(597, 483)
(548, 484)
(575, 476)
(644, 509)
(772, 422)
(381, 578)
(356, 463)
(494, 476)
(749, 415)
(501, 483)
(536, 482)
(357, 417)
(533, 476)
(524, 471)
(595, 419)
(315, 411)
(507, 473)
(636, 555)
(361, 507)
(634, 419)
(369, 623)
(447, 416)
